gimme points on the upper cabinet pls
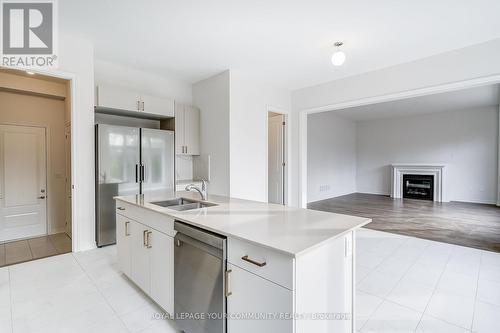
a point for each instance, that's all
(187, 130)
(129, 102)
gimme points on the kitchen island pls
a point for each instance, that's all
(288, 269)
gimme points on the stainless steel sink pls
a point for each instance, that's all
(182, 204)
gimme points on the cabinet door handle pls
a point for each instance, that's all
(120, 208)
(148, 239)
(138, 105)
(186, 149)
(256, 263)
(126, 228)
(227, 292)
(144, 236)
(142, 105)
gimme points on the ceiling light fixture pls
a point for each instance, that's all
(338, 57)
(30, 73)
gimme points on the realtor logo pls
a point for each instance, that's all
(28, 33)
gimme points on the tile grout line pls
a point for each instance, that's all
(385, 297)
(31, 251)
(100, 293)
(477, 290)
(54, 245)
(433, 292)
(10, 299)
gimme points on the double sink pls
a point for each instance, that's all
(183, 204)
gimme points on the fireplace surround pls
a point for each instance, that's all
(437, 171)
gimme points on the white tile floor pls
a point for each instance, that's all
(404, 285)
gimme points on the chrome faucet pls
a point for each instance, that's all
(203, 191)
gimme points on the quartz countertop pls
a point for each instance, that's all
(289, 230)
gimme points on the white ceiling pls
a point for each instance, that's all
(468, 99)
(286, 42)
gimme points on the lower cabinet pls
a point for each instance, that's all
(140, 257)
(146, 256)
(162, 270)
(123, 243)
(252, 294)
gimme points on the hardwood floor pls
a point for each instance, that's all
(466, 224)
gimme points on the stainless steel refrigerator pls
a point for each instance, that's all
(129, 161)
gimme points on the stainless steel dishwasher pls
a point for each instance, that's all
(200, 266)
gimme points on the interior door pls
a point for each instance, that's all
(23, 191)
(157, 159)
(276, 160)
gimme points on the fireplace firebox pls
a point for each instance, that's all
(418, 187)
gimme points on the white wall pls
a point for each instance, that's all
(478, 61)
(331, 156)
(76, 61)
(212, 96)
(466, 140)
(250, 102)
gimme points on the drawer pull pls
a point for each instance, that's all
(256, 263)
(120, 208)
(144, 238)
(126, 228)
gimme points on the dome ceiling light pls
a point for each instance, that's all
(338, 57)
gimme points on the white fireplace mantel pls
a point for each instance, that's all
(438, 170)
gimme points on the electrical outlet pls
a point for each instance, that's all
(324, 188)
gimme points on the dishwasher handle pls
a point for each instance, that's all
(181, 240)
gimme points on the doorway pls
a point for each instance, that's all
(23, 209)
(276, 158)
(34, 171)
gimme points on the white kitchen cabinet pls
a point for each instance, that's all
(140, 257)
(162, 268)
(187, 130)
(266, 281)
(179, 129)
(123, 243)
(256, 295)
(117, 98)
(126, 100)
(192, 130)
(157, 105)
(145, 254)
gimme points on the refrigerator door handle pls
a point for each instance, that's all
(137, 173)
(143, 173)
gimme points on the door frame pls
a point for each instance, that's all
(48, 165)
(71, 80)
(286, 152)
(442, 88)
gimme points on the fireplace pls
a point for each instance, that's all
(418, 187)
